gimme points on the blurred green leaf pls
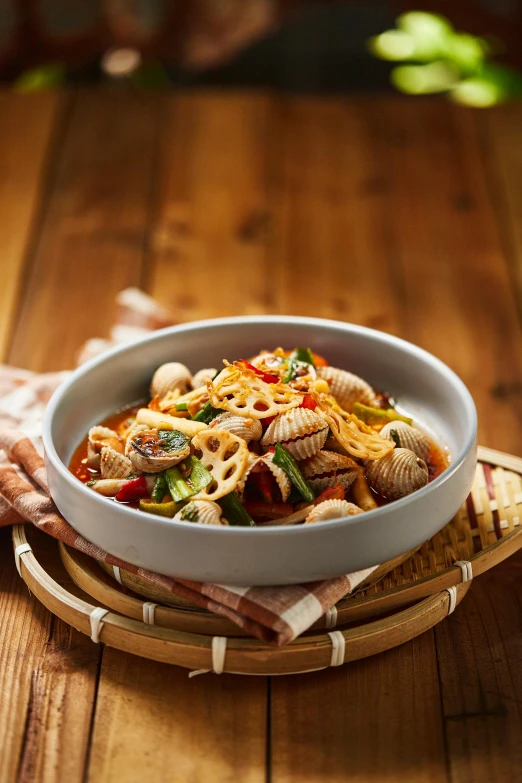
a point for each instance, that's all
(425, 79)
(44, 77)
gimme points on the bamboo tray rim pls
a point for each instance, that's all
(245, 655)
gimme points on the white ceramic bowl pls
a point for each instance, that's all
(421, 383)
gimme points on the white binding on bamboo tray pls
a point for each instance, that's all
(219, 651)
(96, 621)
(330, 617)
(149, 608)
(452, 592)
(20, 550)
(117, 574)
(466, 568)
(338, 648)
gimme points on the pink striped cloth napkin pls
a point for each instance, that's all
(275, 615)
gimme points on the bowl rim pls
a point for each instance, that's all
(373, 334)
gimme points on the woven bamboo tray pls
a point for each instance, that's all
(413, 594)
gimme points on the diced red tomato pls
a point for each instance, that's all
(266, 377)
(264, 483)
(331, 493)
(134, 489)
(262, 510)
(308, 402)
(319, 360)
(268, 421)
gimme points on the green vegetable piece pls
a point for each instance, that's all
(234, 511)
(207, 413)
(178, 487)
(160, 488)
(182, 406)
(91, 483)
(394, 435)
(283, 459)
(303, 355)
(377, 415)
(160, 509)
(194, 478)
(174, 440)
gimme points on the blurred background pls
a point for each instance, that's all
(290, 45)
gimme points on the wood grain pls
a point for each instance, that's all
(27, 131)
(212, 225)
(153, 723)
(377, 719)
(481, 684)
(91, 244)
(457, 298)
(47, 669)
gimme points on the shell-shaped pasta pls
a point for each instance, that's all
(101, 437)
(332, 509)
(241, 426)
(301, 431)
(114, 465)
(409, 438)
(346, 387)
(202, 376)
(326, 468)
(150, 454)
(170, 376)
(203, 512)
(256, 463)
(397, 474)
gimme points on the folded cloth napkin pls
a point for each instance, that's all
(276, 615)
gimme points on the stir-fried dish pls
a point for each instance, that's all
(282, 438)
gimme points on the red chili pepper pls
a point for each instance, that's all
(262, 510)
(331, 493)
(266, 377)
(134, 489)
(265, 423)
(308, 402)
(264, 483)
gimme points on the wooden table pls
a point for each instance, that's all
(401, 215)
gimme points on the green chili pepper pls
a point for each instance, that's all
(377, 415)
(394, 435)
(234, 511)
(283, 459)
(160, 509)
(160, 488)
(182, 406)
(207, 413)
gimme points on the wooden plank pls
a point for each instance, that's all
(154, 723)
(26, 138)
(478, 650)
(500, 136)
(376, 719)
(212, 226)
(457, 300)
(337, 255)
(93, 237)
(47, 682)
(332, 253)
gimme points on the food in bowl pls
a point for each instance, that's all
(283, 438)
